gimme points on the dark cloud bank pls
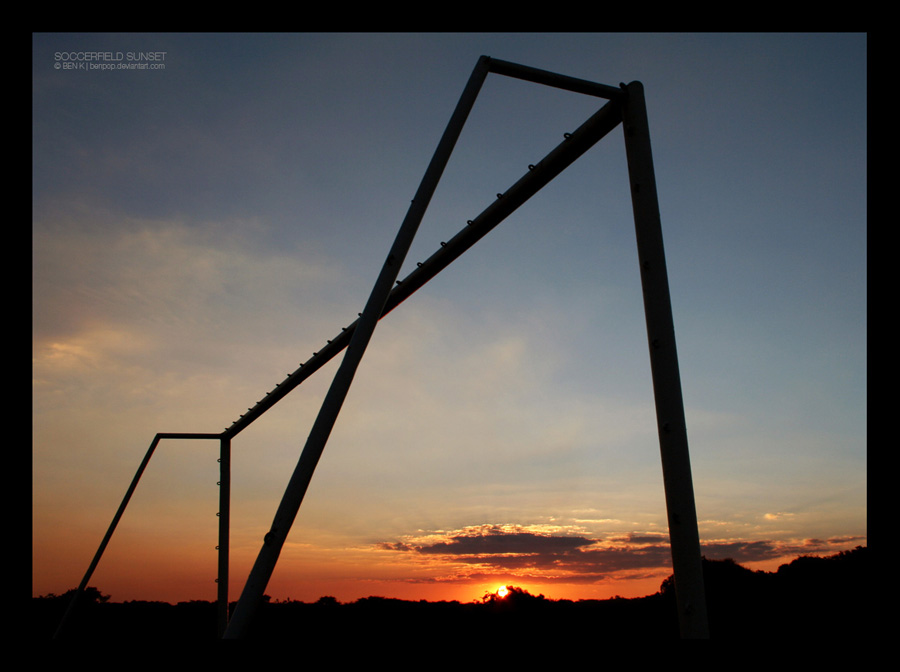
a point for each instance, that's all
(574, 558)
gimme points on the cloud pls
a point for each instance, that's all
(484, 551)
(779, 515)
(743, 551)
(498, 542)
(95, 267)
(563, 555)
(123, 303)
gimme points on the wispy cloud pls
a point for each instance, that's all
(780, 515)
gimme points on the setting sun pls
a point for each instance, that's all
(502, 591)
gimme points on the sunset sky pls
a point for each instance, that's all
(199, 229)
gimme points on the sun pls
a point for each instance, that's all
(502, 592)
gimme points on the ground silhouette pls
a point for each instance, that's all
(809, 599)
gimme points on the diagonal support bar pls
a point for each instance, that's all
(334, 399)
(560, 158)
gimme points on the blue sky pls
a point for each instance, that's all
(200, 229)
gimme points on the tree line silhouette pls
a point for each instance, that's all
(810, 598)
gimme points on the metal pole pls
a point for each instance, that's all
(539, 175)
(683, 532)
(108, 536)
(553, 79)
(334, 399)
(224, 525)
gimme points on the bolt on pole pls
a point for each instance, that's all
(684, 536)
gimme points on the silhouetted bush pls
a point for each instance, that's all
(808, 598)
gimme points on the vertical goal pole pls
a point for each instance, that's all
(224, 531)
(684, 535)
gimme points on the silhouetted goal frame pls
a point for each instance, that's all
(626, 105)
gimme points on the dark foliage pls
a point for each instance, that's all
(810, 599)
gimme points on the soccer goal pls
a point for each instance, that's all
(624, 104)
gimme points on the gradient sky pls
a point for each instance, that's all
(200, 229)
